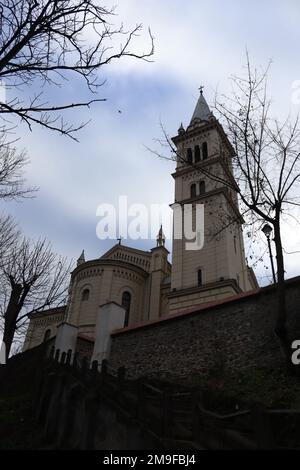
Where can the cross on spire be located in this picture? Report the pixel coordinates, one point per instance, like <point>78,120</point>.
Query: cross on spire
<point>201,89</point>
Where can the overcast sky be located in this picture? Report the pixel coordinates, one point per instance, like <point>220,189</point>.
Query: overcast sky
<point>196,43</point>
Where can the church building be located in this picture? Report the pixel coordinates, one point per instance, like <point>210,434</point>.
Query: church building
<point>143,285</point>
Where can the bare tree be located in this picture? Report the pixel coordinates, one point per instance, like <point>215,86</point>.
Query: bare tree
<point>34,278</point>
<point>266,164</point>
<point>46,42</point>
<point>12,164</point>
<point>262,168</point>
<point>8,235</point>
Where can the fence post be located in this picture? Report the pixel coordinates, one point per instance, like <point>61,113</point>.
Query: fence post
<point>56,357</point>
<point>75,362</point>
<point>63,358</point>
<point>51,353</point>
<point>68,357</point>
<point>84,367</point>
<point>94,370</point>
<point>104,367</point>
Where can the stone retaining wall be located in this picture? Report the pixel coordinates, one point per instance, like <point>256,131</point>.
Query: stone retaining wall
<point>231,335</point>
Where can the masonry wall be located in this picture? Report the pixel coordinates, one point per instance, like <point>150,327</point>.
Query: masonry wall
<point>232,335</point>
<point>39,325</point>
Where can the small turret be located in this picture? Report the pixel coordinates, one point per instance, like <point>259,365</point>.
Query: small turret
<point>181,129</point>
<point>81,259</point>
<point>158,272</point>
<point>160,239</point>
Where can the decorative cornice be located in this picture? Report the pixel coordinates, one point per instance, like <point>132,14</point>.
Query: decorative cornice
<point>51,311</point>
<point>212,160</point>
<point>48,319</point>
<point>200,130</point>
<point>206,287</point>
<point>101,263</point>
<point>130,276</point>
<point>215,158</point>
<point>223,190</point>
<point>192,132</point>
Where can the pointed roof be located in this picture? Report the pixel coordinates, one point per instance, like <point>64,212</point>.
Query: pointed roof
<point>123,248</point>
<point>81,259</point>
<point>202,110</point>
<point>181,129</point>
<point>160,239</point>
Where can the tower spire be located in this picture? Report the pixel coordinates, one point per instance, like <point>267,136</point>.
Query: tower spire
<point>202,111</point>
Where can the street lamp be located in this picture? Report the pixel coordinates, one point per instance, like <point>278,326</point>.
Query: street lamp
<point>267,230</point>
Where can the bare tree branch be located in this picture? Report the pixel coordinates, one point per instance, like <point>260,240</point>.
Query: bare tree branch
<point>44,43</point>
<point>12,163</point>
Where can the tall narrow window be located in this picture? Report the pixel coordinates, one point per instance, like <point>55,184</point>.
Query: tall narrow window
<point>193,190</point>
<point>47,335</point>
<point>234,242</point>
<point>202,187</point>
<point>204,151</point>
<point>85,294</point>
<point>189,156</point>
<point>199,277</point>
<point>126,301</point>
<point>197,153</point>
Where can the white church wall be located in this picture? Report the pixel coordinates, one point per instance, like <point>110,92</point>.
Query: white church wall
<point>107,285</point>
<point>66,338</point>
<point>110,317</point>
<point>213,257</point>
<point>84,311</point>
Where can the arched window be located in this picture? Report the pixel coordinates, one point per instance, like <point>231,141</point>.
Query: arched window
<point>47,335</point>
<point>126,301</point>
<point>197,153</point>
<point>202,187</point>
<point>189,156</point>
<point>204,151</point>
<point>193,190</point>
<point>199,277</point>
<point>85,294</point>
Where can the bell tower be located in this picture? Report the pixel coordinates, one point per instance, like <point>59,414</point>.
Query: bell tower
<point>204,176</point>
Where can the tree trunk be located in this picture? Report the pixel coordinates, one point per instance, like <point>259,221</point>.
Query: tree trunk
<point>280,327</point>
<point>11,316</point>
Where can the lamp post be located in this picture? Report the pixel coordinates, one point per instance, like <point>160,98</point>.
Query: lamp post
<point>267,230</point>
